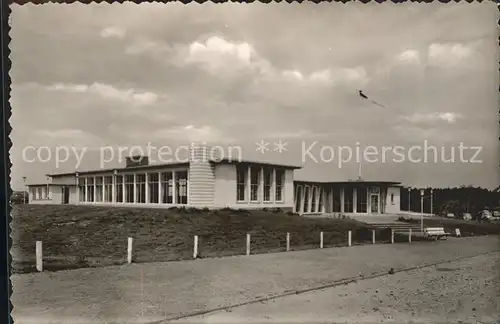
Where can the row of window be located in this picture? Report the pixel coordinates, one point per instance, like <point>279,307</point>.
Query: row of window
<point>261,181</point>
<point>39,193</point>
<point>313,194</point>
<point>132,189</point>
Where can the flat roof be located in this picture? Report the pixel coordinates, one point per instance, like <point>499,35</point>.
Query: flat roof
<point>174,164</point>
<point>353,182</point>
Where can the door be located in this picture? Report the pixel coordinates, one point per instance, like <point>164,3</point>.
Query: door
<point>374,204</point>
<point>65,193</point>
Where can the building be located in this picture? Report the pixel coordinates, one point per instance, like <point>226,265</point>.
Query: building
<point>212,183</point>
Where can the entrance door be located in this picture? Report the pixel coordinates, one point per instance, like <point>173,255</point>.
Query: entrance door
<point>65,194</point>
<point>374,204</point>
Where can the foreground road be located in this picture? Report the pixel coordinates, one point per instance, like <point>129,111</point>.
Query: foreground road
<point>144,293</point>
<point>464,291</point>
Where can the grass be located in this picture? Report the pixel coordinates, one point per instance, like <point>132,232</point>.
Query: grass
<point>90,236</point>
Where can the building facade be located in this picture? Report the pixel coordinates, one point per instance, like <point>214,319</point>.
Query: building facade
<point>206,183</point>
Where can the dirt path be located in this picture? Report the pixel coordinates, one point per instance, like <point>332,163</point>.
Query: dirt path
<point>464,291</point>
<point>141,293</point>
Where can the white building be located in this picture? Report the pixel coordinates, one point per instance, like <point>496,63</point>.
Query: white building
<point>204,183</point>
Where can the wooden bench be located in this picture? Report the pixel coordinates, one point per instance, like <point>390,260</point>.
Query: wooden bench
<point>435,233</point>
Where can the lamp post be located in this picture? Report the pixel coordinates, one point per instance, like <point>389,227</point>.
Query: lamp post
<point>422,210</point>
<point>24,187</point>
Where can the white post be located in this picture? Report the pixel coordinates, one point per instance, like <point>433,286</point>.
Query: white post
<point>39,256</point>
<point>349,237</point>
<point>409,236</point>
<point>422,210</point>
<point>373,236</point>
<point>129,250</point>
<point>174,187</point>
<point>248,244</point>
<point>195,248</point>
<point>392,236</point>
<point>287,242</point>
<point>320,240</point>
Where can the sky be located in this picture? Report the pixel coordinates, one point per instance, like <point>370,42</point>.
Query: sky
<point>86,78</point>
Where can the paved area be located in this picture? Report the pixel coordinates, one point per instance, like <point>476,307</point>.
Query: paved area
<point>465,291</point>
<point>142,293</point>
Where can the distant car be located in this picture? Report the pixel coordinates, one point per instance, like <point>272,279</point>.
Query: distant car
<point>485,215</point>
<point>467,216</point>
<point>450,215</point>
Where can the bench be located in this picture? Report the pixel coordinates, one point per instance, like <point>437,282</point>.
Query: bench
<point>435,233</point>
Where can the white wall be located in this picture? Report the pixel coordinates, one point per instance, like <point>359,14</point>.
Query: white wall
<point>394,206</point>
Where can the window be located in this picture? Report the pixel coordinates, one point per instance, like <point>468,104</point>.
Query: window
<point>98,189</point>
<point>166,188</point>
<point>348,200</point>
<point>181,187</point>
<point>129,188</point>
<point>313,199</point>
<point>241,182</point>
<point>362,200</point>
<point>33,193</point>
<point>81,189</point>
<point>108,189</point>
<point>140,185</point>
<point>90,189</point>
<point>320,201</point>
<point>46,192</point>
<point>268,173</point>
<point>336,200</point>
<point>119,189</point>
<point>298,199</point>
<point>153,180</point>
<point>254,184</point>
<point>392,199</point>
<point>280,179</point>
<point>306,199</point>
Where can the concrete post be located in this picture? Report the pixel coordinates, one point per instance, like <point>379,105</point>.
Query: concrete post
<point>248,244</point>
<point>409,236</point>
<point>287,242</point>
<point>195,248</point>
<point>392,236</point>
<point>39,256</point>
<point>129,250</point>
<point>349,238</point>
<point>321,240</point>
<point>373,236</point>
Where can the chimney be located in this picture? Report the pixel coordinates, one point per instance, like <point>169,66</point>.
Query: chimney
<point>136,160</point>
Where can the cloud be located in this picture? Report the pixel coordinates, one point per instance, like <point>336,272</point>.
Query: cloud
<point>113,32</point>
<point>448,54</point>
<point>424,118</point>
<point>409,56</point>
<point>108,92</point>
<point>355,76</point>
<point>192,133</point>
<point>144,46</point>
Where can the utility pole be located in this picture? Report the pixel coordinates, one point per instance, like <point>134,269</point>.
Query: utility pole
<point>24,187</point>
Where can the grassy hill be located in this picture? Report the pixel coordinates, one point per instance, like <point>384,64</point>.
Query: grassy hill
<point>88,236</point>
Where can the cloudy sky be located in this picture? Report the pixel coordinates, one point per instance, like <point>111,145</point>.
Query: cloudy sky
<point>90,76</point>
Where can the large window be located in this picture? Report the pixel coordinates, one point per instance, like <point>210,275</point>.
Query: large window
<point>81,189</point>
<point>108,189</point>
<point>166,188</point>
<point>320,199</point>
<point>254,184</point>
<point>336,200</point>
<point>298,198</point>
<point>362,200</point>
<point>348,200</point>
<point>313,199</point>
<point>268,175</point>
<point>241,182</point>
<point>280,179</point>
<point>129,188</point>
<point>119,189</point>
<point>153,187</point>
<point>98,189</point>
<point>306,199</point>
<point>33,193</point>
<point>140,184</point>
<point>90,189</point>
<point>181,187</point>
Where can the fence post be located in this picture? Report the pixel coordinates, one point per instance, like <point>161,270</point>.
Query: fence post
<point>287,241</point>
<point>409,236</point>
<point>248,244</point>
<point>392,236</point>
<point>373,236</point>
<point>129,250</point>
<point>195,247</point>
<point>321,240</point>
<point>39,256</point>
<point>349,238</point>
